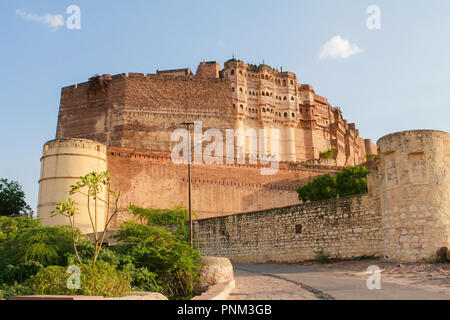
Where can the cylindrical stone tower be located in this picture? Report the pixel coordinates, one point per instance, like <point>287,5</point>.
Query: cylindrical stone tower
<point>414,180</point>
<point>63,162</point>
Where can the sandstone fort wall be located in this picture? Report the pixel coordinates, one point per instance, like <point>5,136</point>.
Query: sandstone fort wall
<point>151,179</point>
<point>345,228</point>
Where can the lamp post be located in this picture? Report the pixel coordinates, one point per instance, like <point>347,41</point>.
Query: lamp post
<point>188,125</point>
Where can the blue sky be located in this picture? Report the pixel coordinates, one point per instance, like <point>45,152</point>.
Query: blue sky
<point>397,79</point>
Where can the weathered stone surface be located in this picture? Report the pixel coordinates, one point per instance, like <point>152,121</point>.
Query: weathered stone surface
<point>414,183</point>
<point>215,270</point>
<point>274,236</point>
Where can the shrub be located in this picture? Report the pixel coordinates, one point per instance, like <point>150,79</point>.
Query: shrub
<point>323,257</point>
<point>29,249</point>
<point>327,155</point>
<point>349,182</point>
<point>19,272</point>
<point>173,219</point>
<point>159,251</point>
<point>352,181</point>
<point>100,280</point>
<point>321,188</point>
<point>11,226</point>
<point>364,257</point>
<point>144,280</point>
<point>14,290</point>
<point>50,281</point>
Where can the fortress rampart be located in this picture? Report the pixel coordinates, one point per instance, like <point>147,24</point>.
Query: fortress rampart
<point>63,162</point>
<point>405,216</point>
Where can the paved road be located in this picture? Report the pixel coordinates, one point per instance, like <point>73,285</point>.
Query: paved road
<point>254,286</point>
<point>324,284</point>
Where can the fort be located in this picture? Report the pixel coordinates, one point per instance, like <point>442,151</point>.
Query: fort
<point>124,123</point>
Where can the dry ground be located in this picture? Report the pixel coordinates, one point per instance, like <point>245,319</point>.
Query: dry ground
<point>420,274</point>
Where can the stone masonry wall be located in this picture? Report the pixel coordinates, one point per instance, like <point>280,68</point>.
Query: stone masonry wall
<point>345,227</point>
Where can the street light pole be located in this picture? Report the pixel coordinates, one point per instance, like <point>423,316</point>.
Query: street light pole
<point>188,124</point>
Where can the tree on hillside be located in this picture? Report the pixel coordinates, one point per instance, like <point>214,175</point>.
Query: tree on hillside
<point>12,199</point>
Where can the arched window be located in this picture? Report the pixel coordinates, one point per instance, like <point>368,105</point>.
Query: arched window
<point>285,114</point>
<point>232,72</point>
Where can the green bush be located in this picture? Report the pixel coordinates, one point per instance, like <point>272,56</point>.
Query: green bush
<point>352,181</point>
<point>14,290</point>
<point>30,246</point>
<point>144,280</point>
<point>19,272</point>
<point>46,245</point>
<point>323,257</point>
<point>321,188</point>
<point>158,250</point>
<point>349,182</point>
<point>173,219</point>
<point>50,281</point>
<point>328,155</point>
<point>100,280</point>
<point>86,249</point>
<point>10,227</point>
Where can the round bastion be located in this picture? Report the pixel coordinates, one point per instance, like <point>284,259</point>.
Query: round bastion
<point>414,182</point>
<point>63,162</point>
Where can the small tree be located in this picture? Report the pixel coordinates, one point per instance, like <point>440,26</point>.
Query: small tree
<point>91,186</point>
<point>352,181</point>
<point>12,199</point>
<point>349,182</point>
<point>321,188</point>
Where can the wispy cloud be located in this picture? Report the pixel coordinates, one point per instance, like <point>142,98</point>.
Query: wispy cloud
<point>339,48</point>
<point>53,21</point>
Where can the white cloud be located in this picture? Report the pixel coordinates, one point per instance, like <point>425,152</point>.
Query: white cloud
<point>339,48</point>
<point>53,21</point>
